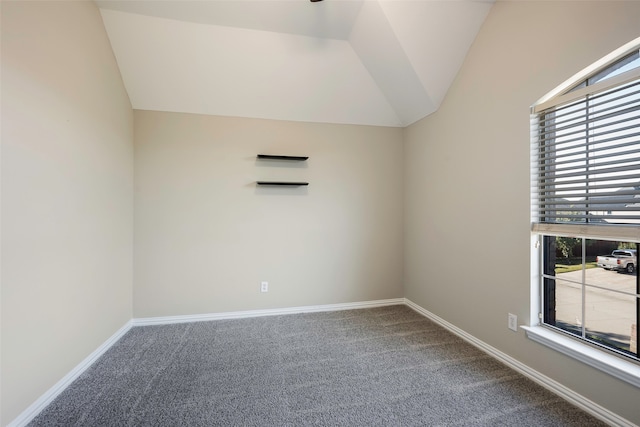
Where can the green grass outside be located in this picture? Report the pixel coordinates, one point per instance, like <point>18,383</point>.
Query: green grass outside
<point>573,264</point>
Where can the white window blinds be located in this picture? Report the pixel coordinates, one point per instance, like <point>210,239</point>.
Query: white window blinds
<point>586,155</point>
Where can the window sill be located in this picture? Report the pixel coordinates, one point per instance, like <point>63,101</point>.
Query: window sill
<point>610,364</point>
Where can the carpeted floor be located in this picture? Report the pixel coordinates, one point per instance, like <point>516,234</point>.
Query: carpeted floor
<point>385,366</point>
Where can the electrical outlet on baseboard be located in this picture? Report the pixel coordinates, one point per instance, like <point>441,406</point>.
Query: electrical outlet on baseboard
<point>513,322</point>
<point>264,286</point>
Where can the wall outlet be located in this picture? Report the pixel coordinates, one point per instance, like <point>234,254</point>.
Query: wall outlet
<point>513,322</point>
<point>264,286</point>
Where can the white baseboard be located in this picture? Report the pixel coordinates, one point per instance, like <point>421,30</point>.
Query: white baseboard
<point>269,312</point>
<point>546,382</point>
<point>34,409</point>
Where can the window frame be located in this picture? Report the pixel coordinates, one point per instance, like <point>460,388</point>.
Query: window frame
<point>617,365</point>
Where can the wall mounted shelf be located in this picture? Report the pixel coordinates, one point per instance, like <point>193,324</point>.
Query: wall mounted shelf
<point>278,157</point>
<point>282,183</point>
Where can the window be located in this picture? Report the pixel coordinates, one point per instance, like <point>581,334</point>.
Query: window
<point>586,204</point>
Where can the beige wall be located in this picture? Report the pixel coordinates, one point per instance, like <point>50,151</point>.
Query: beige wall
<point>467,186</point>
<point>206,236</point>
<point>67,189</point>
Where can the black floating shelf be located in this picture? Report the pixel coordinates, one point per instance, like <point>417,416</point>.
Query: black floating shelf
<point>277,157</point>
<point>282,183</point>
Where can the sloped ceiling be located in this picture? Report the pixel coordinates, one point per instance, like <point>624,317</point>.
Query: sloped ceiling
<point>371,62</point>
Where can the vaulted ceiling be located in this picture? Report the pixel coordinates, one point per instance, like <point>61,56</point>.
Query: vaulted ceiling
<point>370,62</point>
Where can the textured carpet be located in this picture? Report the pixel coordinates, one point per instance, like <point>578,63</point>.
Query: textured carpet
<point>371,367</point>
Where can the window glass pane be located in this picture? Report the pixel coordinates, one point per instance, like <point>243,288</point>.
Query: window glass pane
<point>609,318</point>
<point>569,306</point>
<point>620,281</point>
<point>625,64</point>
<point>578,86</point>
<point>615,265</point>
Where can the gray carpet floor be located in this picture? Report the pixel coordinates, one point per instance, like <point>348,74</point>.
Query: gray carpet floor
<point>386,366</point>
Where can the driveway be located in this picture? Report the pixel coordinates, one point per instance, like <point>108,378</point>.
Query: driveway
<point>608,313</point>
